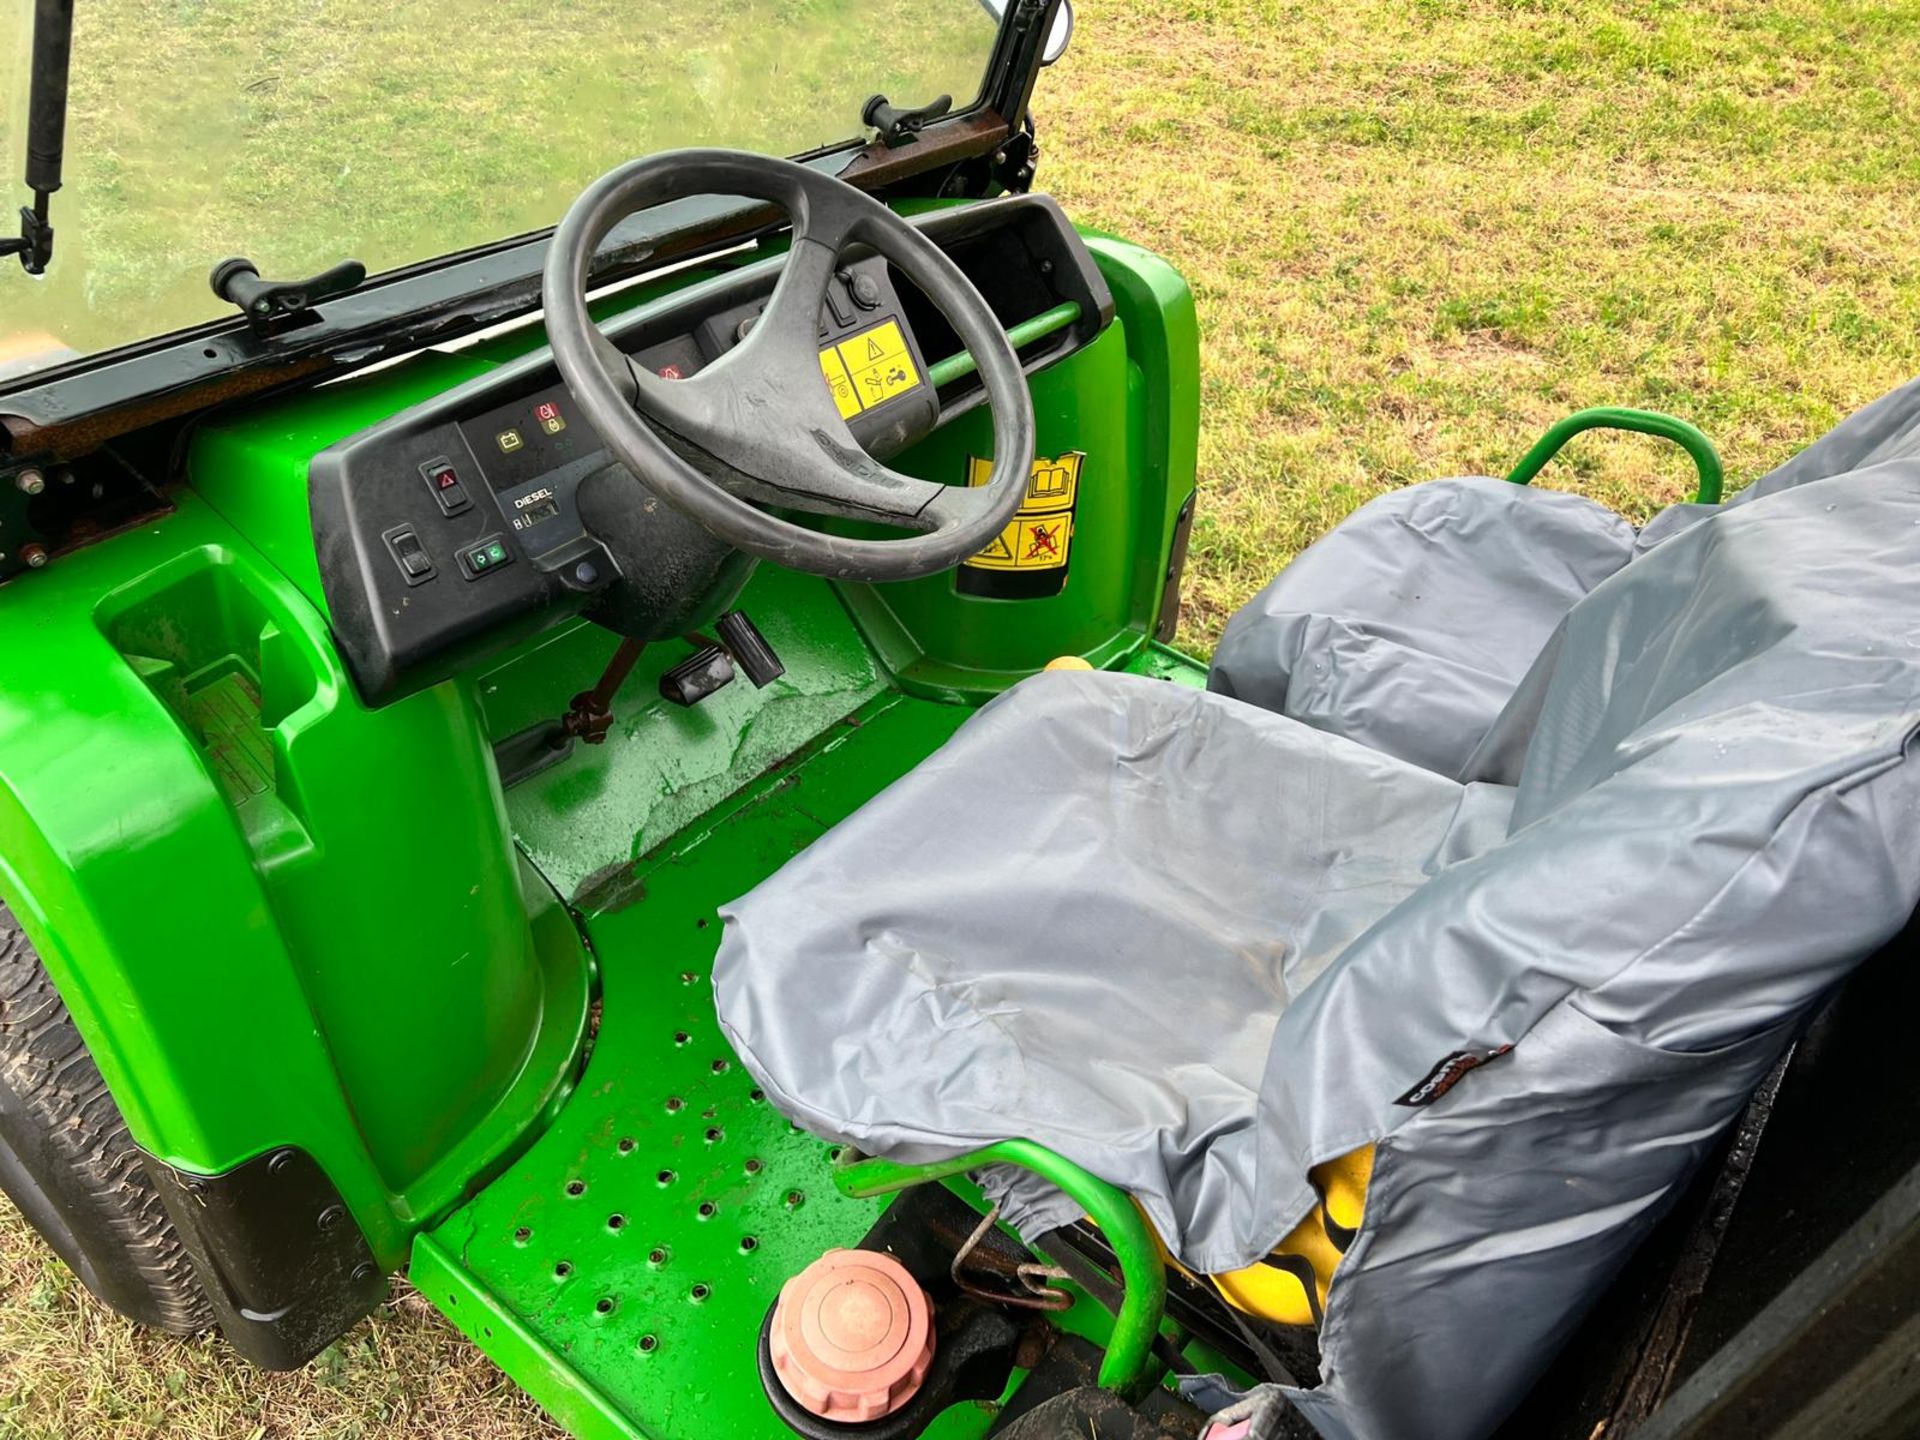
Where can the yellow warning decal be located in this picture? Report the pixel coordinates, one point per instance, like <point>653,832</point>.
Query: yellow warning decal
<point>1037,537</point>
<point>869,369</point>
<point>1052,485</point>
<point>840,383</point>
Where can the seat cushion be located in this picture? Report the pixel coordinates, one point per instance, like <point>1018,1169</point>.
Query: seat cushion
<point>1078,922</point>
<point>1408,625</point>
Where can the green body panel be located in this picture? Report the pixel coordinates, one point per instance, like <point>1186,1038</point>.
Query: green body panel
<point>658,1049</point>
<point>281,918</point>
<point>245,884</point>
<point>253,468</point>
<point>1130,402</point>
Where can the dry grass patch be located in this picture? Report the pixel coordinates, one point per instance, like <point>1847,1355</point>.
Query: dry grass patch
<point>73,1370</point>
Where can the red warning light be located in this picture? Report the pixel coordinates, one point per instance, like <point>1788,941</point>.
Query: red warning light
<point>671,372</point>
<point>546,411</point>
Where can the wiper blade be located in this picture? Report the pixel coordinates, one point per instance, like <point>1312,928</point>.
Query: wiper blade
<point>46,131</point>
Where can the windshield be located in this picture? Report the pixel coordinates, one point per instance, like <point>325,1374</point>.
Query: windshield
<point>302,132</point>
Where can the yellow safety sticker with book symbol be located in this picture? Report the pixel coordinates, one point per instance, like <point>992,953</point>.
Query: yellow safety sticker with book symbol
<point>1038,536</point>
<point>869,369</point>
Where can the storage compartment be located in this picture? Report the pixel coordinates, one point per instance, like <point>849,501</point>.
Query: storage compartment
<point>207,645</point>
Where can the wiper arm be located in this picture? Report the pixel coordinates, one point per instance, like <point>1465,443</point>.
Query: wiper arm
<point>46,130</point>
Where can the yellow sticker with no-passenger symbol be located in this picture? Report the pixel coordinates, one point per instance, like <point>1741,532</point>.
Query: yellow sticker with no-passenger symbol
<point>1038,536</point>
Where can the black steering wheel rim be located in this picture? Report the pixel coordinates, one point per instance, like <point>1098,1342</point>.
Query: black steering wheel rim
<point>761,414</point>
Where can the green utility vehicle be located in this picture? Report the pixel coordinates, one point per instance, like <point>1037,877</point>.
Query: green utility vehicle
<point>402,668</point>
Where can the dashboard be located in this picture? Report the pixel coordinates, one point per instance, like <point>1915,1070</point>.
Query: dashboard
<point>462,525</point>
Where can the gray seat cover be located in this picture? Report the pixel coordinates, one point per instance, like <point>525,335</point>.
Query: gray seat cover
<point>1408,625</point>
<point>1199,948</point>
<point>1888,429</point>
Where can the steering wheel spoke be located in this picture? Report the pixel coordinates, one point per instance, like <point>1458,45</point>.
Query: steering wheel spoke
<point>758,426</point>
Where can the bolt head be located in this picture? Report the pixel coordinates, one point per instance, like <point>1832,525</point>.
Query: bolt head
<point>31,482</point>
<point>34,555</point>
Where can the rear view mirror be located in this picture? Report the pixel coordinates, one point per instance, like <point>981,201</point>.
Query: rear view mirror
<point>1057,38</point>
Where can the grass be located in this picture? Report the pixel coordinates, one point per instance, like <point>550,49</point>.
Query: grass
<point>1419,231</point>
<point>300,132</point>
<point>72,1370</point>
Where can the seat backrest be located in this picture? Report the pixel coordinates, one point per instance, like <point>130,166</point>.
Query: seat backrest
<point>1725,698</point>
<point>1714,822</point>
<point>1888,429</point>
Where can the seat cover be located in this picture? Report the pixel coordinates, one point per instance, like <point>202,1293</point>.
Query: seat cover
<point>1198,948</point>
<point>1069,872</point>
<point>1407,626</point>
<point>1888,429</point>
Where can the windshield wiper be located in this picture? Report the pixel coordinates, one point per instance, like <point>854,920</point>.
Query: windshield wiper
<point>46,130</point>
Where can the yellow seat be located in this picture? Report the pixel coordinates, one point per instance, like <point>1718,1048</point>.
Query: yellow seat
<point>1290,1286</point>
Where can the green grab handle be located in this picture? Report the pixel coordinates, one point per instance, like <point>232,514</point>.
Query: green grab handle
<point>1644,422</point>
<point>954,367</point>
<point>1144,1296</point>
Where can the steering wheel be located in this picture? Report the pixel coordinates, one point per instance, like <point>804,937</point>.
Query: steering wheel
<point>759,424</point>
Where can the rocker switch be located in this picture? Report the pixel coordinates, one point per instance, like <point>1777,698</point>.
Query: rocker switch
<point>842,313</point>
<point>416,566</point>
<point>444,482</point>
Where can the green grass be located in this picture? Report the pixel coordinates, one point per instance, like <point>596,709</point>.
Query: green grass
<point>1419,232</point>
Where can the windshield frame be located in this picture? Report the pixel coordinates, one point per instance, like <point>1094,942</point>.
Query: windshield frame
<point>448,296</point>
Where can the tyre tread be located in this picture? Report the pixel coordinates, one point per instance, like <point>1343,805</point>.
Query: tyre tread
<point>44,1060</point>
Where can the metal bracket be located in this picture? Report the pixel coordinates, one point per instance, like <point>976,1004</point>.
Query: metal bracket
<point>900,125</point>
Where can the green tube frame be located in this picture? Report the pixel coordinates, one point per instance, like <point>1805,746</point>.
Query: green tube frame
<point>954,367</point>
<point>1643,422</point>
<point>1124,1368</point>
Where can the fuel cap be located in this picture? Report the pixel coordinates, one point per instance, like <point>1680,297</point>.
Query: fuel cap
<point>852,1336</point>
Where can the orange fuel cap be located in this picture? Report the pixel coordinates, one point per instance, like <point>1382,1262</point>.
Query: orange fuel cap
<point>852,1336</point>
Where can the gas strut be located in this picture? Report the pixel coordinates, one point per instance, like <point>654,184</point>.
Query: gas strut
<point>46,131</point>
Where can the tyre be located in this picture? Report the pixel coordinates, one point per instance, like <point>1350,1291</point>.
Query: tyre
<point>67,1160</point>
